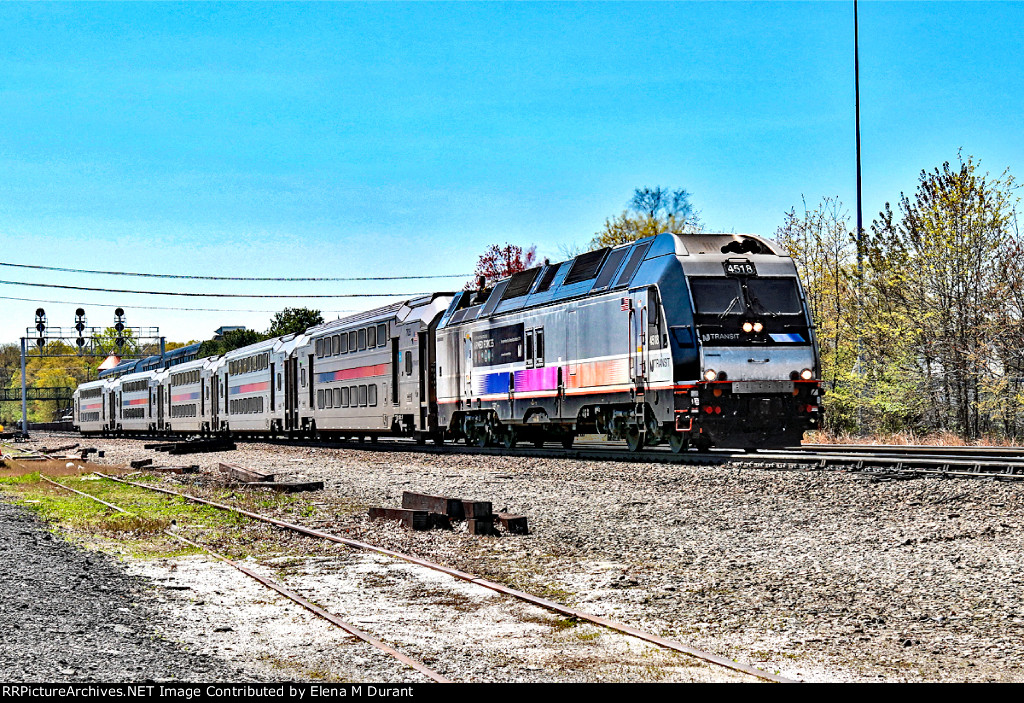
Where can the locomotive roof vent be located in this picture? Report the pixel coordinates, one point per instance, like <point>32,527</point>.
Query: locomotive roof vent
<point>725,244</point>
<point>746,245</point>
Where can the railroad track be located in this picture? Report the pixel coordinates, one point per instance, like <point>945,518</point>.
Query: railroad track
<point>663,642</point>
<point>872,461</point>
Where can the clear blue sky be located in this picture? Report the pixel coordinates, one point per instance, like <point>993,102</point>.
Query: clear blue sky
<point>394,139</point>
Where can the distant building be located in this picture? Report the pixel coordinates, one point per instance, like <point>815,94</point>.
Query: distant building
<point>221,331</point>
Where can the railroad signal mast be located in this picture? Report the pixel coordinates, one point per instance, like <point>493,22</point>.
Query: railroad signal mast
<point>86,342</point>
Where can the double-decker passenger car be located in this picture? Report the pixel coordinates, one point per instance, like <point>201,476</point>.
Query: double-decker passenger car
<point>370,374</point>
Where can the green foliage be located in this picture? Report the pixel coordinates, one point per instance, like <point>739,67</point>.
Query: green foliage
<point>651,211</point>
<point>926,336</point>
<point>293,320</point>
<point>232,339</point>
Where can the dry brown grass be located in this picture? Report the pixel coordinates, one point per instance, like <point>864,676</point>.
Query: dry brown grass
<point>932,439</point>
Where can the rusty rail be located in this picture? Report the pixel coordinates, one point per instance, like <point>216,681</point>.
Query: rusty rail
<point>291,595</point>
<point>664,642</point>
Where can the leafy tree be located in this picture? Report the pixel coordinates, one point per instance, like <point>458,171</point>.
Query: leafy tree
<point>501,262</point>
<point>650,211</point>
<point>293,320</point>
<point>946,247</point>
<point>232,339</point>
<point>927,337</point>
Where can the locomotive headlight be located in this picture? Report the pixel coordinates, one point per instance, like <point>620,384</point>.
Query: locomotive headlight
<point>807,374</point>
<point>748,327</point>
<point>710,375</point>
<point>758,327</point>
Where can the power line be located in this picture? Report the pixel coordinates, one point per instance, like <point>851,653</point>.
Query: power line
<point>151,307</point>
<point>212,295</point>
<point>231,278</point>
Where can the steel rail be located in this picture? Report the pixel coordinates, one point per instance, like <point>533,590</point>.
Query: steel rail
<point>291,595</point>
<point>918,449</point>
<point>486,583</point>
<point>956,465</point>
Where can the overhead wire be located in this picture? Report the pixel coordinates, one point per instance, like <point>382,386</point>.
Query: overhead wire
<point>235,278</point>
<point>152,307</point>
<point>212,295</point>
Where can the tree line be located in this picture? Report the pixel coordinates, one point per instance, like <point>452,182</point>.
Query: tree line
<point>69,370</point>
<point>921,320</point>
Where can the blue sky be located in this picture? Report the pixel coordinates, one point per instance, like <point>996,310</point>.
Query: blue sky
<point>391,139</point>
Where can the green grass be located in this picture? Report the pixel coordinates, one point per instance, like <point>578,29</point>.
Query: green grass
<point>142,532</point>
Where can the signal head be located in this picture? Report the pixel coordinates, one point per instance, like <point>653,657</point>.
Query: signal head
<point>80,312</point>
<point>40,312</point>
<point>119,312</point>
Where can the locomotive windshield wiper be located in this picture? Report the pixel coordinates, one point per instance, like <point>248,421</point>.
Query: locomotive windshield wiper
<point>752,301</point>
<point>729,309</point>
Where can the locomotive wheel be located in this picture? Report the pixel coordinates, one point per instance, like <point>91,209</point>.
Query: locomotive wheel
<point>538,443</point>
<point>678,442</point>
<point>439,439</point>
<point>567,441</point>
<point>480,437</point>
<point>509,438</point>
<point>703,444</point>
<point>633,439</point>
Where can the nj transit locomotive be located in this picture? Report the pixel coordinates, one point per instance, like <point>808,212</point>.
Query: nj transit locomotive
<point>694,340</point>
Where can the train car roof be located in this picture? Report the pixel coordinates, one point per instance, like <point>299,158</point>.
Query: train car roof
<point>401,311</point>
<point>603,270</point>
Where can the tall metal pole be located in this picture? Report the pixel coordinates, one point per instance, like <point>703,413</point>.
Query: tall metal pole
<point>24,393</point>
<point>860,212</point>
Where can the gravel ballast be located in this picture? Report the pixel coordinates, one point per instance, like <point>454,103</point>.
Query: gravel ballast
<point>816,575</point>
<point>70,615</point>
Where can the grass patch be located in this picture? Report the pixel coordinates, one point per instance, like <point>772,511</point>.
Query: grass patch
<point>141,532</point>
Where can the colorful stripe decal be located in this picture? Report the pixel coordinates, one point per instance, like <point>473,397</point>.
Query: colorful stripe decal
<point>249,388</point>
<point>94,406</point>
<point>349,374</point>
<point>794,337</point>
<point>185,396</point>
<point>137,401</point>
<point>607,372</point>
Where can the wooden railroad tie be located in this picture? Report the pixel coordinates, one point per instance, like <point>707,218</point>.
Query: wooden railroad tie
<point>248,478</point>
<point>421,511</point>
<point>193,469</point>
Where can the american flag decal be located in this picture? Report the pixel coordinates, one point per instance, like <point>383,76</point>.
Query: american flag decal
<point>626,304</point>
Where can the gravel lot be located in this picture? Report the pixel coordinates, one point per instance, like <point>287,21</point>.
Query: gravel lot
<point>69,615</point>
<point>817,575</point>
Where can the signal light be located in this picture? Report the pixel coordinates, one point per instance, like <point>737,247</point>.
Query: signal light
<point>119,326</point>
<point>80,326</point>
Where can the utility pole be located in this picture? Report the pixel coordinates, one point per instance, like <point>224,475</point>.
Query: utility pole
<point>860,210</point>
